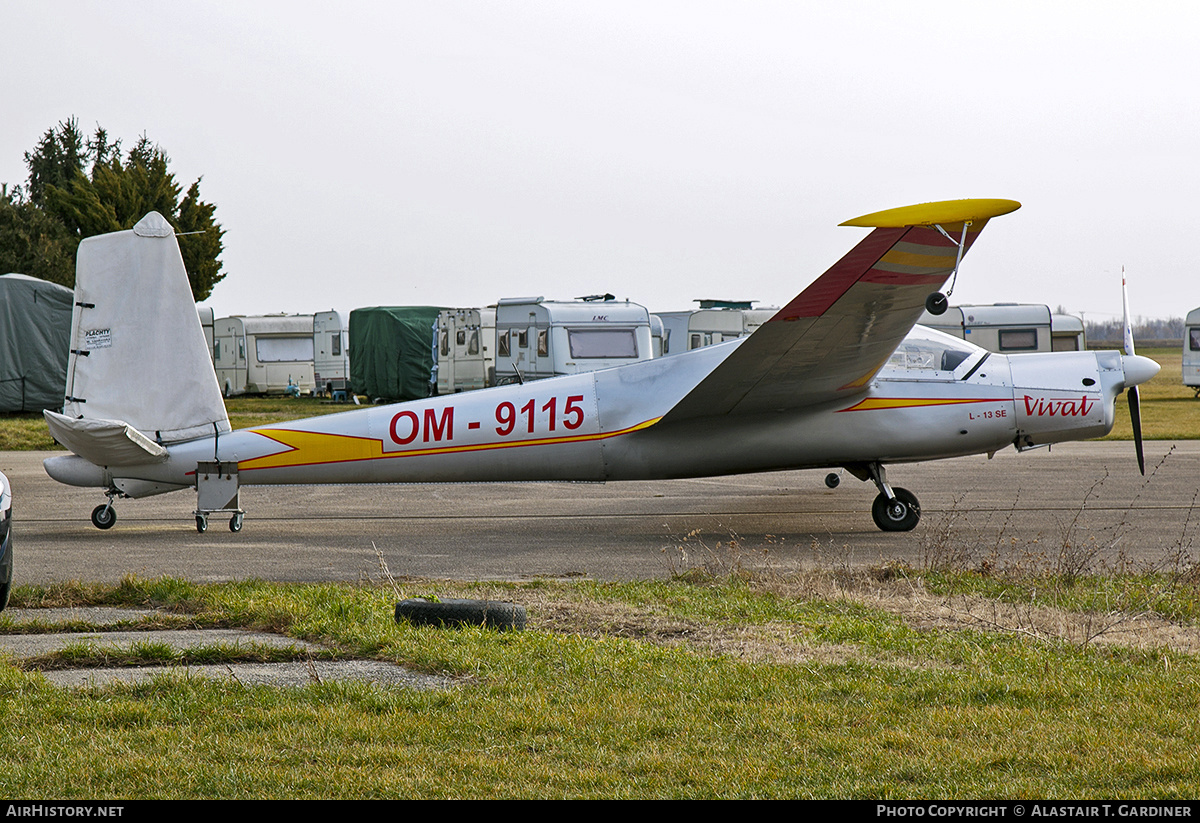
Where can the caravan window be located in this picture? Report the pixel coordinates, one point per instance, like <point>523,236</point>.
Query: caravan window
<point>216,350</point>
<point>502,345</point>
<point>445,343</point>
<point>1018,340</point>
<point>523,338</point>
<point>543,342</point>
<point>473,344</point>
<point>283,349</point>
<point>1194,339</point>
<point>335,344</point>
<point>600,343</point>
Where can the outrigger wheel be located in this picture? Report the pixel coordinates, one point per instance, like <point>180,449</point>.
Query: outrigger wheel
<point>900,514</point>
<point>936,303</point>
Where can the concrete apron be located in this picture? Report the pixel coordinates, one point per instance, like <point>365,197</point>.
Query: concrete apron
<point>101,635</point>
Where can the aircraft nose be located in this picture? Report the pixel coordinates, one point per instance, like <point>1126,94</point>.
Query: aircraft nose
<point>1138,369</point>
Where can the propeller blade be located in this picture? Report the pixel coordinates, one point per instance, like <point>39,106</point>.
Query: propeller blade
<point>1135,417</point>
<point>1125,312</point>
<point>1135,400</point>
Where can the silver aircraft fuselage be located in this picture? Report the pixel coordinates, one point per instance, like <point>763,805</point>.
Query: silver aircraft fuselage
<point>606,425</point>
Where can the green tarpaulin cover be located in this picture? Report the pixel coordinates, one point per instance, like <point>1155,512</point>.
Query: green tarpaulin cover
<point>391,351</point>
<point>35,336</point>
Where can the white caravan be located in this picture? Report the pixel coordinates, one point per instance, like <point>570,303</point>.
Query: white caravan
<point>331,352</point>
<point>674,337</point>
<point>207,319</point>
<point>714,322</point>
<point>264,354</point>
<point>465,352</point>
<point>1191,351</point>
<point>1066,333</point>
<point>538,338</point>
<point>658,336</point>
<point>999,327</point>
<point>717,321</point>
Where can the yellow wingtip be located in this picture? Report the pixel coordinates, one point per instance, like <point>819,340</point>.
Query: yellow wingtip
<point>941,212</point>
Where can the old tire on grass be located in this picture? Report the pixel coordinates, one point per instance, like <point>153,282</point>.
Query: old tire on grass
<point>457,612</point>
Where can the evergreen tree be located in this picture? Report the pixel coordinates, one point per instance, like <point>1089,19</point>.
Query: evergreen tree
<point>33,243</point>
<point>78,188</point>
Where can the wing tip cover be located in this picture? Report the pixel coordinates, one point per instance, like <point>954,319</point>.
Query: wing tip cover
<point>939,212</point>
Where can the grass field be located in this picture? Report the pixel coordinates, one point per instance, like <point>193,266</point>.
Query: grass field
<point>886,684</point>
<point>27,432</point>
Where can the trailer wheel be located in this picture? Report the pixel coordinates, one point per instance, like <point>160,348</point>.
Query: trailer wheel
<point>456,612</point>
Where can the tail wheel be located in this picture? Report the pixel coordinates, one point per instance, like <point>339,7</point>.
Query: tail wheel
<point>899,515</point>
<point>103,516</point>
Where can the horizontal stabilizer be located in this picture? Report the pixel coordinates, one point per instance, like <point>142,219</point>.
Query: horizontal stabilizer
<point>104,442</point>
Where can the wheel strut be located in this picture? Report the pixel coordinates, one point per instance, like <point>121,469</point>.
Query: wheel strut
<point>879,478</point>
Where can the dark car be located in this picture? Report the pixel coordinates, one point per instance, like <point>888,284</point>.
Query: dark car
<point>6,563</point>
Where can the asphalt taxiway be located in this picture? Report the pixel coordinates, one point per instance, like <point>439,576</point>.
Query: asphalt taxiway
<point>1015,507</point>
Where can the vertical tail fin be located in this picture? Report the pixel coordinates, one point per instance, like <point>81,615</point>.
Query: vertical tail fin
<point>138,352</point>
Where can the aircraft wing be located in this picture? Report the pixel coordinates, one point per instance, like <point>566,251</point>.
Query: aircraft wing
<point>836,334</point>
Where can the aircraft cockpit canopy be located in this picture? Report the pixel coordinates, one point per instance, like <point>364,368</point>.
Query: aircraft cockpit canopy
<point>926,353</point>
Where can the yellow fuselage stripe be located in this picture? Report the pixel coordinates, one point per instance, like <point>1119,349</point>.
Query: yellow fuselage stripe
<point>875,403</point>
<point>320,448</point>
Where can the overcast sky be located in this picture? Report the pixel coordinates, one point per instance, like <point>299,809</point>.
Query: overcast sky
<point>455,152</point>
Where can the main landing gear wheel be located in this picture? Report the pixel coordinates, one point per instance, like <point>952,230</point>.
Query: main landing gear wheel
<point>103,516</point>
<point>833,480</point>
<point>899,515</point>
